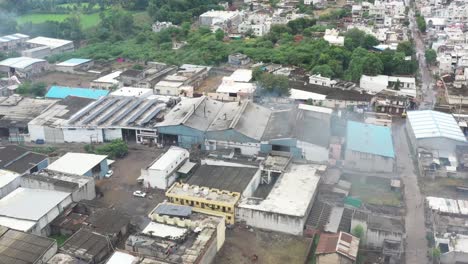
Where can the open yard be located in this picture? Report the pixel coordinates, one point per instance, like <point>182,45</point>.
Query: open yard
<point>270,248</point>
<point>87,20</point>
<point>443,187</point>
<point>373,190</point>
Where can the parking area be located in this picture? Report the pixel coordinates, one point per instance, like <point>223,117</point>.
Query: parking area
<point>118,190</point>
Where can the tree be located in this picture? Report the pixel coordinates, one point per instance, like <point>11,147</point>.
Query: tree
<point>8,24</point>
<point>357,38</point>
<point>32,89</point>
<point>406,47</point>
<point>274,84</point>
<point>324,70</point>
<point>421,22</point>
<point>219,34</point>
<point>115,149</point>
<point>372,65</point>
<point>358,231</point>
<point>397,85</point>
<point>431,56</point>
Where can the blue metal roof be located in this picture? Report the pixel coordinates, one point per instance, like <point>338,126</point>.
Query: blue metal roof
<point>62,92</point>
<point>73,62</point>
<point>369,138</point>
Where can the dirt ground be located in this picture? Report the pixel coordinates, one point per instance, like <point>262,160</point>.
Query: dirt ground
<point>210,84</point>
<point>66,79</point>
<point>373,190</point>
<point>119,188</point>
<point>271,248</point>
<point>443,187</point>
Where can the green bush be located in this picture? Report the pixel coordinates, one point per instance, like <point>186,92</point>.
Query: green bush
<point>115,149</point>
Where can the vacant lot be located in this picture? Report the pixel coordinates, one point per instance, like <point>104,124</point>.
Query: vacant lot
<point>271,248</point>
<point>373,190</point>
<point>87,20</point>
<point>66,79</point>
<point>444,187</point>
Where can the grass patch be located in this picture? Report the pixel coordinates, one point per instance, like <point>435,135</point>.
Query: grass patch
<point>60,239</point>
<point>45,150</point>
<point>373,190</point>
<point>87,20</point>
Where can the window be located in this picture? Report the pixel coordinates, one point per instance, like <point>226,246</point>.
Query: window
<point>177,199</point>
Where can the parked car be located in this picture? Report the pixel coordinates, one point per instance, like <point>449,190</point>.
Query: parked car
<point>139,194</point>
<point>109,174</point>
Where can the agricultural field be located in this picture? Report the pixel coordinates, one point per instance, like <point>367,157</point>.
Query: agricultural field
<point>87,20</point>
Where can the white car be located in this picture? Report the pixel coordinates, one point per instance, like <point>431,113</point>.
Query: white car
<point>109,174</point>
<point>139,194</point>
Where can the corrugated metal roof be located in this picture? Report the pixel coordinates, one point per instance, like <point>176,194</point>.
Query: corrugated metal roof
<point>19,62</point>
<point>174,210</point>
<point>369,138</point>
<point>431,124</point>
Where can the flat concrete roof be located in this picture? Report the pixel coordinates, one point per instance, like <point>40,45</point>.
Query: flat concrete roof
<point>30,204</point>
<point>76,163</point>
<point>234,179</point>
<point>6,177</point>
<point>201,192</point>
<point>291,194</point>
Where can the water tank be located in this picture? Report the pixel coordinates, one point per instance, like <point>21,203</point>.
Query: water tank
<point>196,190</point>
<point>205,191</point>
<point>185,187</point>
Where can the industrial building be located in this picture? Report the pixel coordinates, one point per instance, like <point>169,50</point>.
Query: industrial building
<point>74,65</point>
<point>205,200</point>
<point>107,81</point>
<point>17,112</point>
<point>24,248</point>
<point>369,148</point>
<point>25,67</point>
<point>80,187</point>
<point>48,125</point>
<point>21,160</point>
<point>183,82</point>
<point>9,181</point>
<point>62,92</point>
<point>286,207</point>
<point>162,173</point>
<point>56,46</point>
<point>196,237</point>
<point>87,246</point>
<point>433,130</point>
<point>81,164</point>
<point>13,42</point>
<point>20,210</point>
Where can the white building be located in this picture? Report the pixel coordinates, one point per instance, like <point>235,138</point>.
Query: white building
<point>158,26</point>
<point>216,19</point>
<point>24,66</point>
<point>81,164</point>
<point>237,85</point>
<point>9,181</point>
<point>133,92</point>
<point>162,173</point>
<point>332,37</point>
<point>73,65</point>
<point>287,206</point>
<point>434,130</point>
<point>453,248</point>
<point>31,210</point>
<point>56,46</point>
<point>375,84</point>
<point>107,81</point>
<point>321,80</point>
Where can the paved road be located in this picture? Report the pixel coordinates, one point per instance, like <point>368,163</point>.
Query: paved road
<point>427,82</point>
<point>416,244</point>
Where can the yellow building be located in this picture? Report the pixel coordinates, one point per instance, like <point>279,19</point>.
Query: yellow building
<point>205,200</point>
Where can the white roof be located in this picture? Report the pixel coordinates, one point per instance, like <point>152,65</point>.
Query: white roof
<point>121,258</point>
<point>30,204</point>
<point>459,244</point>
<point>443,205</point>
<point>109,78</point>
<point>241,75</point>
<point>291,194</point>
<point>132,91</point>
<point>169,158</point>
<point>6,177</point>
<point>303,95</point>
<point>402,79</point>
<point>230,86</point>
<point>76,163</point>
<point>20,62</point>
<point>168,84</point>
<point>73,62</point>
<point>314,108</point>
<point>164,231</point>
<point>17,224</point>
<point>49,42</point>
<point>432,124</point>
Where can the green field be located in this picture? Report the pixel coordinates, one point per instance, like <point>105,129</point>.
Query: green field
<point>88,20</point>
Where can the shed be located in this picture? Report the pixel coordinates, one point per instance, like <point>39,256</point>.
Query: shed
<point>82,164</point>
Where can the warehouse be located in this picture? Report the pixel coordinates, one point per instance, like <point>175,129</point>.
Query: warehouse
<point>81,188</point>
<point>107,81</point>
<point>369,148</point>
<point>287,206</point>
<point>56,46</point>
<point>62,92</point>
<point>25,67</point>
<point>47,126</point>
<point>17,212</point>
<point>74,65</point>
<point>17,112</point>
<point>23,248</point>
<point>115,117</point>
<point>9,181</point>
<point>20,160</point>
<point>81,164</point>
<point>433,130</point>
<point>13,42</point>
